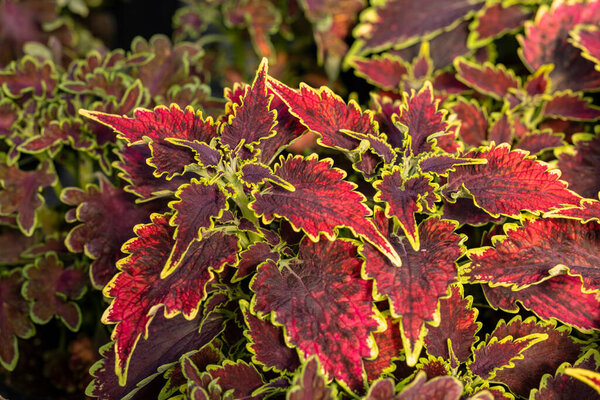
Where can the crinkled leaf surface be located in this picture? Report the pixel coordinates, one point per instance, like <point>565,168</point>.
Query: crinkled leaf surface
<point>404,198</point>
<point>546,41</point>
<point>139,292</point>
<point>108,215</point>
<point>414,289</point>
<point>581,167</point>
<point>400,23</point>
<point>536,251</point>
<point>309,383</point>
<point>453,338</point>
<point>509,182</point>
<point>158,125</point>
<point>321,202</point>
<point>199,204</point>
<point>267,343</point>
<point>14,318</point>
<point>51,289</point>
<point>324,305</point>
<point>560,297</point>
<point>20,193</point>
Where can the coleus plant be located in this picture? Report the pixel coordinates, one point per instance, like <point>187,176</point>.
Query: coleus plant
<point>267,274</point>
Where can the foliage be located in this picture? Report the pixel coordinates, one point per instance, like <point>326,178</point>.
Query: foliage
<point>437,238</point>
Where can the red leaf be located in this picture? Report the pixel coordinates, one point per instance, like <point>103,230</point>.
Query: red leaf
<point>587,38</point>
<point>546,42</point>
<point>243,378</point>
<point>538,83</point>
<point>252,257</point>
<point>310,384</point>
<point>199,205</point>
<point>56,134</point>
<point>400,23</point>
<point>262,19</point>
<point>494,21</point>
<point>322,202</point>
<point>473,121</point>
<point>581,168</point>
<point>543,357</point>
<point>29,75</point>
<point>509,182</point>
<point>252,120</point>
<point>579,381</point>
<point>20,193</point>
<point>386,72</point>
<point>267,343</point>
<point>325,113</point>
<point>442,164</point>
<point>502,130</point>
<point>405,197</point>
<point>139,293</point>
<point>572,106</point>
<point>51,289</point>
<point>14,318</point>
<point>537,251</point>
<point>589,211</point>
<point>464,211</point>
<point>443,387</point>
<point>493,80</point>
<point>415,299</point>
<point>537,142</point>
<point>158,125</point>
<point>254,174</point>
<point>9,114</point>
<point>108,216</point>
<point>453,338</point>
<point>421,116</point>
<point>324,306</point>
<point>389,349</point>
<point>560,297</point>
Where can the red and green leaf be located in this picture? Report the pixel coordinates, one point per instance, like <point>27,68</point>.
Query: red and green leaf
<point>454,337</point>
<point>576,381</point>
<point>20,193</point>
<point>324,305</point>
<point>139,292</point>
<point>494,21</point>
<point>386,72</point>
<point>441,387</point>
<point>55,135</point>
<point>389,349</point>
<point>252,257</point>
<point>537,251</point>
<point>238,376</point>
<point>29,76</point>
<point>14,318</point>
<point>414,289</point>
<point>509,182</point>
<point>254,174</point>
<point>572,106</point>
<point>587,38</point>
<point>442,164</point>
<point>405,197</point>
<point>199,204</point>
<point>50,288</point>
<point>309,383</point>
<point>321,202</point>
<point>493,80</point>
<point>473,121</point>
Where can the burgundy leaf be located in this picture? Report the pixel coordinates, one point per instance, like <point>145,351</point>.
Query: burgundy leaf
<point>442,164</point>
<point>139,293</point>
<point>9,114</point>
<point>29,75</point>
<point>589,211</point>
<point>581,168</point>
<point>321,202</point>
<point>324,306</point>
<point>206,155</point>
<point>587,38</point>
<point>473,121</point>
<point>309,383</point>
<point>501,131</point>
<point>252,257</point>
<point>577,381</point>
<point>443,387</point>
<point>496,20</point>
<point>453,338</point>
<point>414,289</point>
<point>20,193</point>
<point>108,216</point>
<point>389,349</point>
<point>254,174</point>
<point>509,182</point>
<point>55,134</point>
<point>568,105</point>
<point>199,204</point>
<point>243,378</point>
<point>386,72</point>
<point>537,251</point>
<point>51,289</point>
<point>539,141</point>
<point>491,79</point>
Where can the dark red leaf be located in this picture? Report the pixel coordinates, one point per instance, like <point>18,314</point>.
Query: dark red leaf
<point>9,114</point>
<point>139,293</point>
<point>560,297</point>
<point>310,384</point>
<point>14,243</point>
<point>589,211</point>
<point>382,390</point>
<point>14,318</point>
<point>252,257</point>
<point>414,289</point>
<point>400,23</point>
<point>546,41</point>
<point>51,289</point>
<point>442,164</point>
<point>442,387</point>
<point>544,357</point>
<point>254,174</point>
<point>324,305</point>
<point>325,113</point>
<point>509,182</point>
<point>538,83</point>
<point>56,134</point>
<point>108,216</point>
<point>473,121</point>
<point>581,168</point>
<point>199,204</point>
<point>501,131</point>
<point>29,75</point>
<point>386,72</point>
<point>578,381</point>
<point>243,378</point>
<point>453,338</point>
<point>158,125</point>
<point>206,155</point>
<point>587,38</point>
<point>253,120</point>
<point>321,202</point>
<point>464,211</point>
<point>494,21</point>
<point>389,349</point>
<point>20,192</point>
<point>539,141</point>
<point>405,197</point>
<point>493,80</point>
<point>573,106</point>
<point>377,144</point>
<point>537,251</point>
